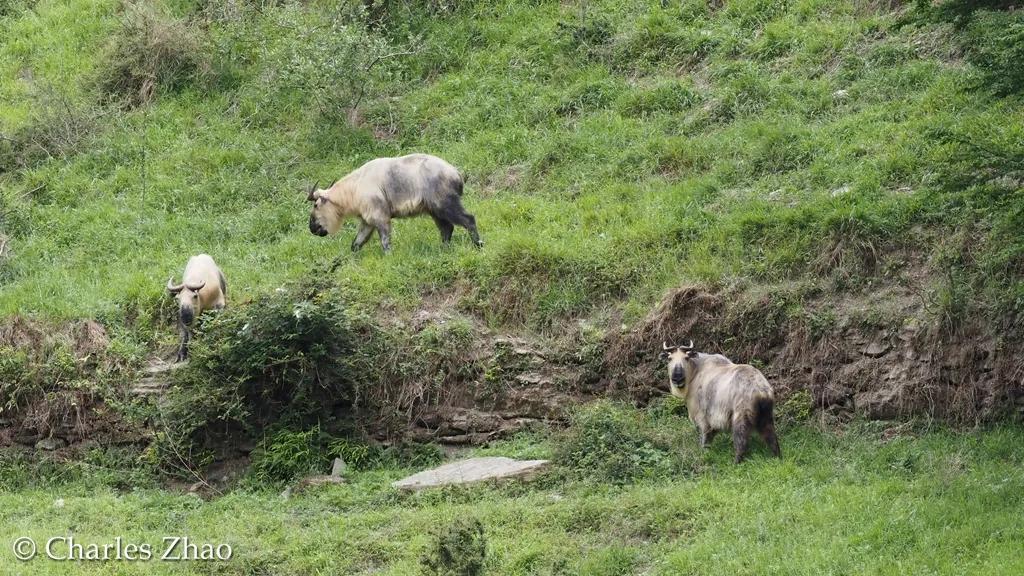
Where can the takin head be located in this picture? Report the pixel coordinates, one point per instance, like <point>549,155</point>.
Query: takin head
<point>324,219</point>
<point>678,363</point>
<point>187,296</point>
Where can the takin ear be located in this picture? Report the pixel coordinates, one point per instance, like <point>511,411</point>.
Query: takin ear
<point>691,354</point>
<point>663,355</point>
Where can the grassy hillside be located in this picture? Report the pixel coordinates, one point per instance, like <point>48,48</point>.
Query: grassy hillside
<point>789,157</point>
<point>613,150</point>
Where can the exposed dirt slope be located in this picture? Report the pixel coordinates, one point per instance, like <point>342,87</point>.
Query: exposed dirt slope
<point>881,355</point>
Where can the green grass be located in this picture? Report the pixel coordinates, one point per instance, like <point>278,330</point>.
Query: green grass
<point>843,502</point>
<point>610,156</point>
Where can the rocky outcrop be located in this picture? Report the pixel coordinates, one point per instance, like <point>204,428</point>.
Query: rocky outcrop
<point>517,385</point>
<point>880,355</point>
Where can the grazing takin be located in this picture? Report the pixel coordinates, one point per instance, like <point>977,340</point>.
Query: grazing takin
<point>721,395</point>
<point>388,188</point>
<point>202,288</point>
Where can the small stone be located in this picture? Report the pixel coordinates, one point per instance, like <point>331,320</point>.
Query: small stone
<point>58,503</point>
<point>842,190</point>
<point>51,444</point>
<point>876,349</point>
<point>338,468</point>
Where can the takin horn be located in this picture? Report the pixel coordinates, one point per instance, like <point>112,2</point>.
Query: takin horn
<point>311,190</point>
<point>172,287</point>
<point>687,347</point>
<point>666,347</point>
<point>196,287</point>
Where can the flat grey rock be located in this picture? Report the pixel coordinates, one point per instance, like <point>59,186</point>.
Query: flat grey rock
<point>472,470</point>
<point>51,444</point>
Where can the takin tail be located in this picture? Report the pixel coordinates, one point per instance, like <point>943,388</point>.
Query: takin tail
<point>764,423</point>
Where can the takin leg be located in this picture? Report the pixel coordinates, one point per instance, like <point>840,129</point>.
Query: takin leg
<point>740,437</point>
<point>767,431</point>
<point>706,436</point>
<point>446,229</point>
<point>362,235</point>
<point>186,335</point>
<point>765,424</point>
<point>456,214</point>
<point>384,231</point>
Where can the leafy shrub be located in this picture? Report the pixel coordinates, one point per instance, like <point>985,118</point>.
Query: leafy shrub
<point>285,357</point>
<point>395,16</point>
<point>458,549</point>
<point>57,128</point>
<point>45,388</point>
<point>15,377</point>
<point>612,442</point>
<point>796,409</point>
<point>152,52</point>
<point>361,456</point>
<point>287,455</point>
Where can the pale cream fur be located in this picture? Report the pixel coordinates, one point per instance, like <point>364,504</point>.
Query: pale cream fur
<point>717,392</point>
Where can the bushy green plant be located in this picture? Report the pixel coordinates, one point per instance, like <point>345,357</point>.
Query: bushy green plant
<point>153,52</point>
<point>611,442</point>
<point>796,409</point>
<point>114,467</point>
<point>57,127</point>
<point>457,549</point>
<point>284,357</point>
<point>15,377</point>
<point>362,456</point>
<point>285,455</point>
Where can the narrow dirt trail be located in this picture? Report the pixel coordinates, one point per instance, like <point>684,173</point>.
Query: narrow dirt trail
<point>156,377</point>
